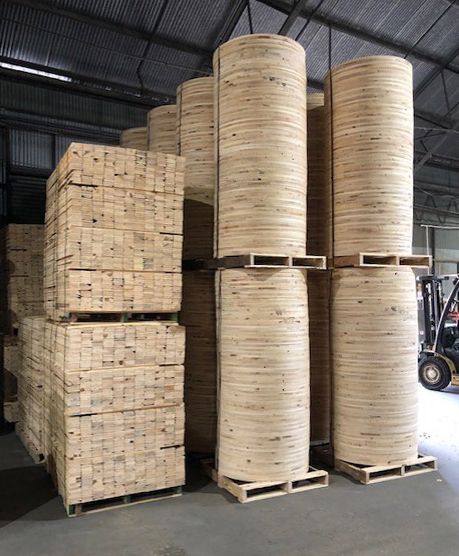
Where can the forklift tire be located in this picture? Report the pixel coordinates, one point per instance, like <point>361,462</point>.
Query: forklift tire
<point>434,373</point>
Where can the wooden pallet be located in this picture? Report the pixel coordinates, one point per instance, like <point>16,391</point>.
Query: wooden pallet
<point>111,316</point>
<point>257,260</point>
<point>371,474</point>
<point>382,260</point>
<point>260,490</point>
<point>75,510</point>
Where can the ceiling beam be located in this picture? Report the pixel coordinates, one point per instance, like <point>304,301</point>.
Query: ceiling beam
<point>292,17</point>
<point>435,73</point>
<point>284,6</point>
<point>121,29</point>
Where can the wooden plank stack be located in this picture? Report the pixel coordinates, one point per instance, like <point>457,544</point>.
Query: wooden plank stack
<point>114,244</point>
<point>113,232</point>
<point>116,408</point>
<point>22,265</point>
<point>33,388</point>
<point>21,258</point>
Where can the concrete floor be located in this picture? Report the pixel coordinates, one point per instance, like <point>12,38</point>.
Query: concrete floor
<point>412,516</point>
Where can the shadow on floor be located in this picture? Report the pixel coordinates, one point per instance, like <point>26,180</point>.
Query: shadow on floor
<point>24,489</point>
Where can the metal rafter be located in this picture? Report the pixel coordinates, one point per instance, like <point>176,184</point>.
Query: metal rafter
<point>120,29</point>
<point>284,6</point>
<point>299,6</point>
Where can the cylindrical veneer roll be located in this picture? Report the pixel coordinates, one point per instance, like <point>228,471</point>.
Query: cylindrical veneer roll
<point>319,231</point>
<point>198,315</point>
<point>198,225</point>
<point>134,138</point>
<point>371,103</point>
<point>319,284</point>
<point>374,331</point>
<point>260,134</point>
<point>195,137</point>
<point>162,129</point>
<point>263,374</point>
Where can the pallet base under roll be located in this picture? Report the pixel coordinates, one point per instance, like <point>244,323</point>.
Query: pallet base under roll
<point>370,474</point>
<point>74,510</point>
<point>246,491</point>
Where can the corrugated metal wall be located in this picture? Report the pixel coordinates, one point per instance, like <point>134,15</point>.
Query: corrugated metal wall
<point>445,248</point>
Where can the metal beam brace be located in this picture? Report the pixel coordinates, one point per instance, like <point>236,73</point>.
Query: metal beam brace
<point>292,17</point>
<point>284,6</point>
<point>120,29</point>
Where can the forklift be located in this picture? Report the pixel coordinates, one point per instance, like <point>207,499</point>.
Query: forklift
<point>438,361</point>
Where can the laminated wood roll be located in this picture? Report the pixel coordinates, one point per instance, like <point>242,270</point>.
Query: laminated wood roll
<point>198,316</point>
<point>162,129</point>
<point>372,126</point>
<point>374,331</point>
<point>319,233</point>
<point>319,284</point>
<point>260,138</point>
<point>263,374</point>
<point>134,138</point>
<point>195,137</point>
<point>198,225</point>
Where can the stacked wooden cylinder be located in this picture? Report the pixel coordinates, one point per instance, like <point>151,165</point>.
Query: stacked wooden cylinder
<point>262,314</point>
<point>134,138</point>
<point>373,310</point>
<point>113,243</point>
<point>194,136</point>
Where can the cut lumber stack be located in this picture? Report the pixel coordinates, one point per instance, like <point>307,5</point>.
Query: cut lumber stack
<point>195,141</point>
<point>116,416</point>
<point>33,388</point>
<point>114,245</point>
<point>21,258</point>
<point>113,232</point>
<point>22,265</point>
<point>373,312</point>
<point>262,313</point>
<point>134,138</point>
<point>161,129</point>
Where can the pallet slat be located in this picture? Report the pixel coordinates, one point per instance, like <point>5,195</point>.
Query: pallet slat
<point>381,260</point>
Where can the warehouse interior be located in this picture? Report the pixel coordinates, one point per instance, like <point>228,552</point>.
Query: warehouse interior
<point>82,71</point>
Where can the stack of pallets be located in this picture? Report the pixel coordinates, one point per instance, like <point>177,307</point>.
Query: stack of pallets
<point>116,354</point>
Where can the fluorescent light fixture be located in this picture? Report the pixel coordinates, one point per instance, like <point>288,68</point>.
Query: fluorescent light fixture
<point>35,72</point>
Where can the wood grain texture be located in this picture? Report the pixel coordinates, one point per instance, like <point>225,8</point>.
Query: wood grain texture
<point>374,330</point>
<point>372,125</point>
<point>319,217</point>
<point>162,122</point>
<point>198,316</point>
<point>319,291</point>
<point>260,133</point>
<point>195,137</point>
<point>134,138</point>
<point>264,374</point>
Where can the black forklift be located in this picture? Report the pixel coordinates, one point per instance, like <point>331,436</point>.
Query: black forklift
<point>439,356</point>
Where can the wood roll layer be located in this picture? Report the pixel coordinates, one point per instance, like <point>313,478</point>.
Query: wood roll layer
<point>319,284</point>
<point>374,330</point>
<point>198,316</point>
<point>162,122</point>
<point>371,103</point>
<point>195,137</point>
<point>134,138</point>
<point>260,121</point>
<point>264,374</point>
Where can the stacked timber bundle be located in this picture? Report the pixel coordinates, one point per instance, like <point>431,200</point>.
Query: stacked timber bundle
<point>161,129</point>
<point>113,232</point>
<point>262,313</point>
<point>370,110</point>
<point>319,238</point>
<point>114,244</point>
<point>22,265</point>
<point>116,408</point>
<point>33,388</point>
<point>134,138</point>
<point>195,141</point>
